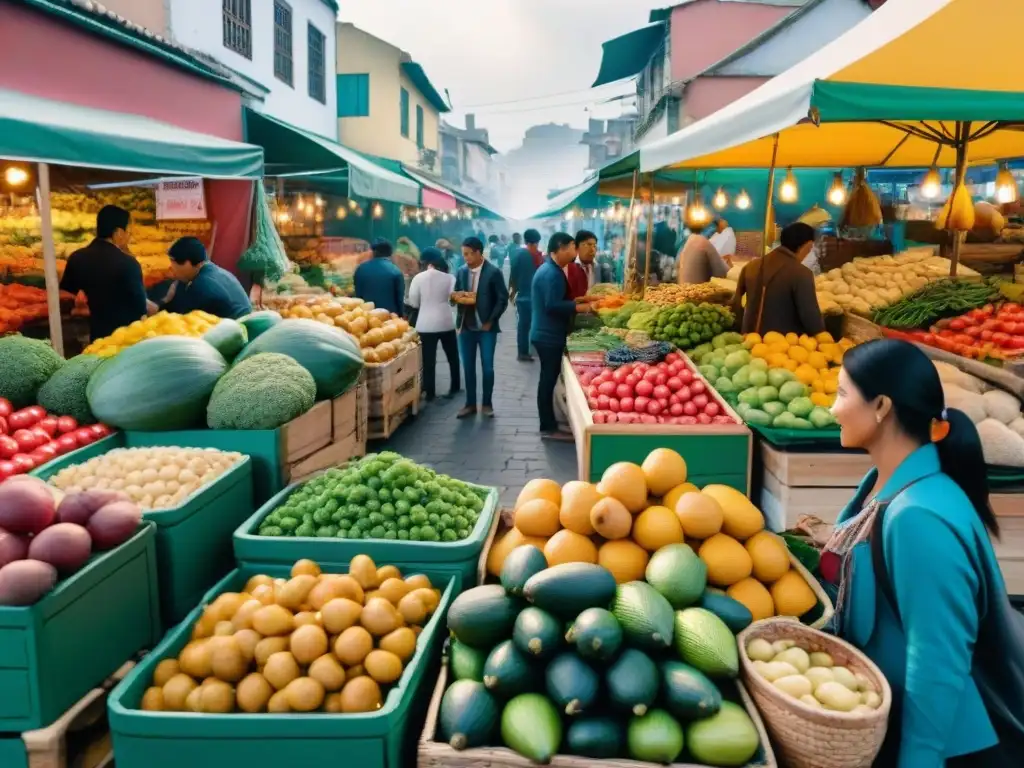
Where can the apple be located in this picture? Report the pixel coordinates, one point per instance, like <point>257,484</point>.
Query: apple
<point>712,409</point>
<point>689,408</point>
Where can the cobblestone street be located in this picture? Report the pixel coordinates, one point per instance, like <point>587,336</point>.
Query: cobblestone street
<point>504,452</point>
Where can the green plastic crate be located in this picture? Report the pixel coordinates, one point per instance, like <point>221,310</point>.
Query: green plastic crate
<point>461,558</point>
<point>54,652</point>
<point>50,468</point>
<point>194,540</point>
<point>382,739</point>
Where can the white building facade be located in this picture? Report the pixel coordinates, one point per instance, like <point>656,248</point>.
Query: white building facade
<point>287,47</point>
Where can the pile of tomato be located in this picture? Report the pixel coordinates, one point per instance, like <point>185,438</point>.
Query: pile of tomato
<point>30,437</point>
<point>988,332</point>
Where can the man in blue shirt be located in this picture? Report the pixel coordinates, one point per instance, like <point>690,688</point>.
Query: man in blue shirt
<point>525,262</point>
<point>379,281</point>
<point>199,284</point>
<point>552,314</point>
<point>477,322</point>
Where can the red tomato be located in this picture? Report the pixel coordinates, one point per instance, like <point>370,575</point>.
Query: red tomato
<point>963,338</point>
<point>640,403</point>
<point>662,392</point>
<point>49,449</point>
<point>645,388</point>
<point>8,447</point>
<point>712,409</point>
<point>592,402</point>
<point>697,387</point>
<point>701,401</point>
<point>27,440</point>
<point>626,404</point>
<point>22,419</point>
<point>652,375</point>
<point>7,469</point>
<point>66,444</point>
<point>605,388</point>
<point>676,409</point>
<point>689,420</point>
<point>974,332</point>
<point>24,463</point>
<point>686,375</point>
<point>37,411</point>
<point>84,436</point>
<point>672,357</point>
<point>3,426</point>
<point>602,402</point>
<point>1000,339</point>
<point>613,404</point>
<point>654,407</point>
<point>703,418</point>
<point>42,436</point>
<point>648,419</point>
<point>662,378</point>
<point>689,408</point>
<point>67,424</point>
<point>957,323</point>
<point>39,457</point>
<point>684,394</point>
<point>48,425</point>
<point>674,383</point>
<point>6,409</point>
<point>620,375</point>
<point>611,418</point>
<point>633,379</point>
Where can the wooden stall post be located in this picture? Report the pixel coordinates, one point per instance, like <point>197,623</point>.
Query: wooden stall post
<point>49,258</point>
<point>769,216</point>
<point>650,236</point>
<point>963,139</point>
<point>629,268</point>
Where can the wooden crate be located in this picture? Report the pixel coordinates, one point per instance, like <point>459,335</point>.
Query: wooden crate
<point>307,434</point>
<point>396,384</point>
<point>714,453</point>
<point>348,436</point>
<point>431,753</point>
<point>78,739</point>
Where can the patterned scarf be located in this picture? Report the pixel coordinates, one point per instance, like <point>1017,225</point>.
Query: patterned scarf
<point>836,563</point>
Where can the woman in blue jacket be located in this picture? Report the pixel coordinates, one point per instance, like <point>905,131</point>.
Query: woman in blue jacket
<point>919,587</point>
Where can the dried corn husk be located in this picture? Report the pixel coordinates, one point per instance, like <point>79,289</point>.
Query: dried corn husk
<point>957,215</point>
<point>863,208</point>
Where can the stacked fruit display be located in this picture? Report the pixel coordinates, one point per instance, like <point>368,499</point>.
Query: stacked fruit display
<point>194,324</point>
<point>564,658</point>
<point>30,437</point>
<point>669,392</point>
<point>316,642</point>
<point>153,478</point>
<point>777,381</point>
<point>687,325</point>
<point>637,510</point>
<point>382,496</point>
<point>46,535</point>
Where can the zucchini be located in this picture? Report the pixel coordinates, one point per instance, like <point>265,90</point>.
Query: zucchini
<point>568,589</point>
<point>483,616</point>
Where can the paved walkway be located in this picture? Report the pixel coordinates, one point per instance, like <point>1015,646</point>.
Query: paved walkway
<point>504,452</point>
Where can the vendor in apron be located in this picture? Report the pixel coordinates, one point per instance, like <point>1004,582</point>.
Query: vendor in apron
<point>911,566</point>
<point>779,289</point>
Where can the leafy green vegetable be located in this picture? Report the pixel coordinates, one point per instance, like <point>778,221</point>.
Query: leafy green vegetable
<point>64,392</point>
<point>25,365</point>
<point>264,391</point>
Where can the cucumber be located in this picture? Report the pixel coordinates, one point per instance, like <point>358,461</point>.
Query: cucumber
<point>598,737</point>
<point>655,737</point>
<point>537,633</point>
<point>508,672</point>
<point>735,614</point>
<point>596,634</point>
<point>522,563</point>
<point>468,716</point>
<point>687,693</point>
<point>632,682</point>
<point>530,725</point>
<point>466,663</point>
<point>645,615</point>
<point>572,684</point>
<point>568,589</point>
<point>483,616</point>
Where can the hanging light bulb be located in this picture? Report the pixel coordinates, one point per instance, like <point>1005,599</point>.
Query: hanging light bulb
<point>788,190</point>
<point>352,204</point>
<point>676,200</point>
<point>743,200</point>
<point>720,200</point>
<point>308,209</point>
<point>378,211</point>
<point>697,215</point>
<point>594,214</point>
<point>341,213</point>
<point>931,184</point>
<point>569,214</point>
<point>444,217</point>
<point>1006,186</point>
<point>283,217</point>
<point>837,192</point>
<point>428,217</point>
<point>319,202</point>
<point>15,175</point>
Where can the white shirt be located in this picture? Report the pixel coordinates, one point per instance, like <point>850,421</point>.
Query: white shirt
<point>724,242</point>
<point>430,292</point>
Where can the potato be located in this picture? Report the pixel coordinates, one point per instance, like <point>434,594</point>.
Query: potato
<point>77,508</point>
<point>164,671</point>
<point>267,647</point>
<point>25,582</point>
<point>308,643</point>
<point>153,699</point>
<point>339,614</point>
<point>278,703</point>
<point>114,523</point>
<point>26,506</point>
<point>12,547</point>
<point>305,568</point>
<point>195,659</point>
<point>295,591</point>
<point>328,672</point>
<point>176,691</point>
<point>227,660</point>
<point>271,620</point>
<point>257,581</point>
<point>248,639</point>
<point>253,693</point>
<point>280,669</point>
<point>243,616</point>
<point>304,694</point>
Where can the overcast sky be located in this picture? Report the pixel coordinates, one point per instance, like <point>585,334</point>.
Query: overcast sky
<point>515,63</point>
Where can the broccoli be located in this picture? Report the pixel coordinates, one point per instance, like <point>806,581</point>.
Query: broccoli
<point>25,365</point>
<point>261,392</point>
<point>64,392</point>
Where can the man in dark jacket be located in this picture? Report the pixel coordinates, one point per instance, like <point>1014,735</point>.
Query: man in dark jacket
<point>779,289</point>
<point>525,263</point>
<point>379,281</point>
<point>110,278</point>
<point>199,284</point>
<point>553,311</point>
<point>477,323</point>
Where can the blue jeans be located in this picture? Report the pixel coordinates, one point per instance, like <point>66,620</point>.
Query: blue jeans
<point>523,309</point>
<point>486,342</point>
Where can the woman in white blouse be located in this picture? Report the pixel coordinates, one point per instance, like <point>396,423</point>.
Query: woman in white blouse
<point>430,294</point>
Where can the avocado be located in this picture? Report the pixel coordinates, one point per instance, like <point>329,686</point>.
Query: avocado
<point>483,616</point>
<point>597,737</point>
<point>468,716</point>
<point>735,614</point>
<point>596,634</point>
<point>508,671</point>
<point>655,737</point>
<point>466,663</point>
<point>531,726</point>
<point>727,738</point>
<point>568,589</point>
<point>632,682</point>
<point>522,563</point>
<point>688,694</point>
<point>572,684</point>
<point>537,633</point>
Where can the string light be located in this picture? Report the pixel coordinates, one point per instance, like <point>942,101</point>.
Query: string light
<point>319,202</point>
<point>931,185</point>
<point>1006,186</point>
<point>352,204</point>
<point>444,217</point>
<point>569,214</point>
<point>378,210</point>
<point>676,200</point>
<point>788,190</point>
<point>428,217</point>
<point>743,200</point>
<point>837,192</point>
<point>696,214</point>
<point>720,200</point>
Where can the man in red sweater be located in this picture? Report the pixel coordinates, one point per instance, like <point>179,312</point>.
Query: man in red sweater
<point>582,272</point>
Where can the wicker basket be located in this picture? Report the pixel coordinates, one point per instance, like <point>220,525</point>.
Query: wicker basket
<point>807,737</point>
<point>827,609</point>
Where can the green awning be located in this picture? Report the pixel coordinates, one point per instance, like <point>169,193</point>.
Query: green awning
<point>627,55</point>
<point>291,151</point>
<point>583,195</point>
<point>33,129</point>
<point>419,78</point>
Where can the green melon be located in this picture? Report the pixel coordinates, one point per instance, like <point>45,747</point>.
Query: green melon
<point>256,323</point>
<point>228,337</point>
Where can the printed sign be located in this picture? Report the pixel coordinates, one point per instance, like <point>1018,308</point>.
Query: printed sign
<point>180,199</point>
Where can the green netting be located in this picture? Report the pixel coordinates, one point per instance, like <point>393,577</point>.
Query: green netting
<point>265,254</point>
